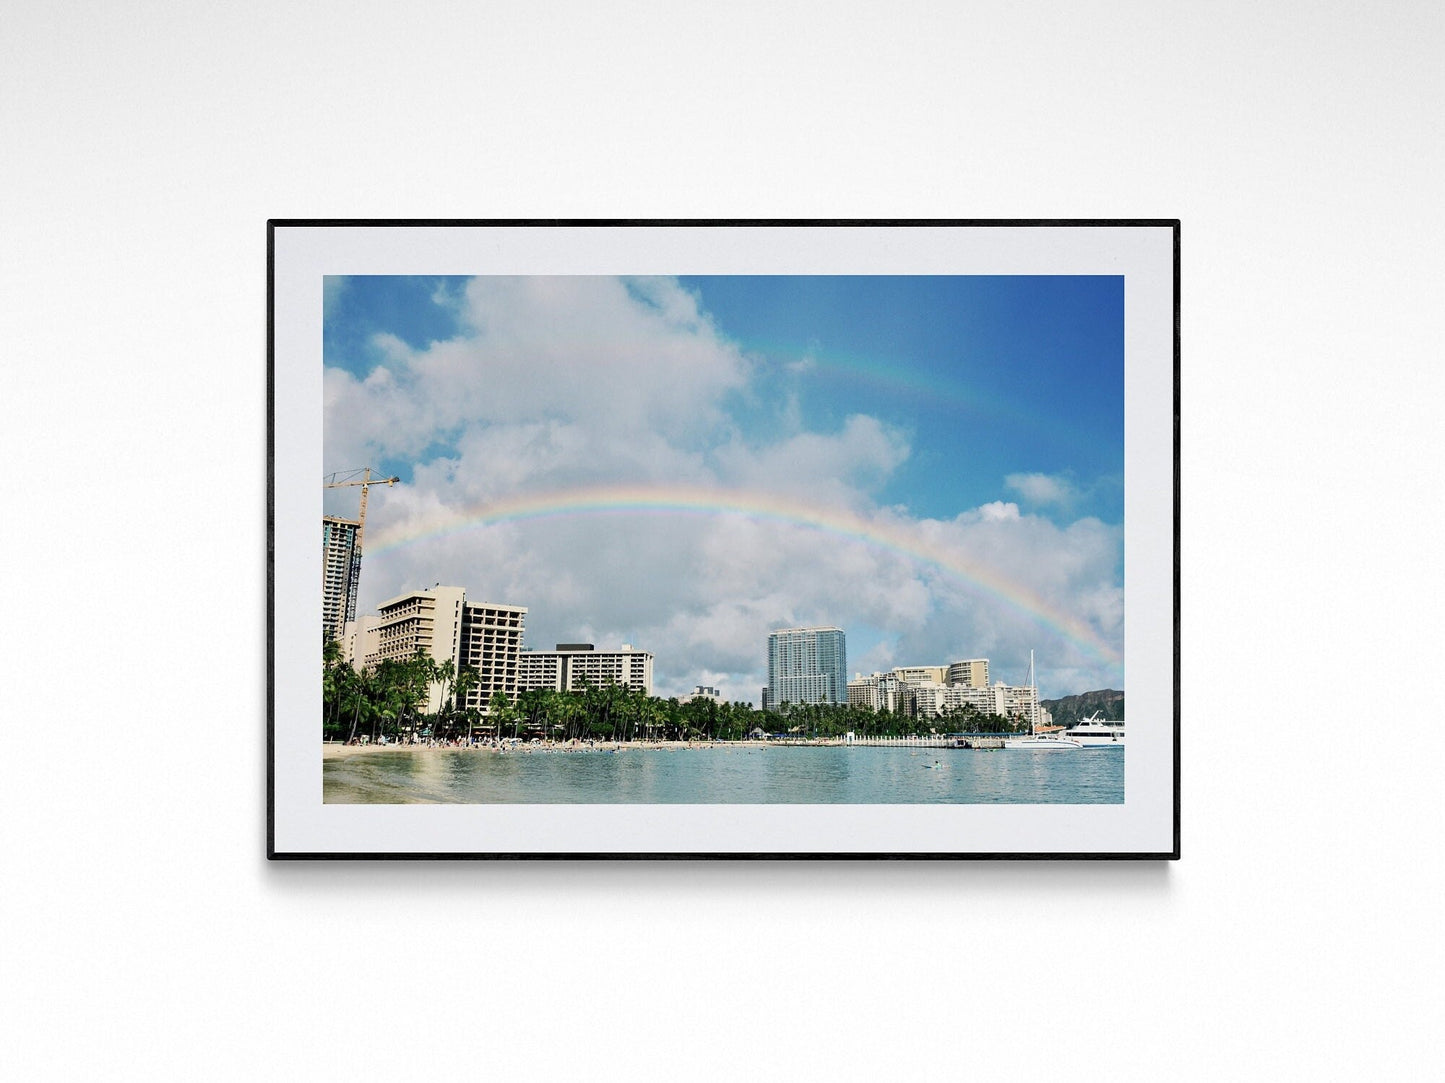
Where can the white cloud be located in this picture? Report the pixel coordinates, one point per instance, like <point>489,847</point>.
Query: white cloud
<point>996,512</point>
<point>825,466</point>
<point>1042,489</point>
<point>613,356</point>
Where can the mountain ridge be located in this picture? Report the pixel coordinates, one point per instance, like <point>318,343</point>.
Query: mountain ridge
<point>1066,710</point>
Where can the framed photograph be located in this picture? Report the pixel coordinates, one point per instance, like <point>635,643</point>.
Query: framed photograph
<point>751,539</point>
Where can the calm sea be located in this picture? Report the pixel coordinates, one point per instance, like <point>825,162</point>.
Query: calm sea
<point>722,775</point>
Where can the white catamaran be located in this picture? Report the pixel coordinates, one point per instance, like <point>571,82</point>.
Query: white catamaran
<point>1039,742</point>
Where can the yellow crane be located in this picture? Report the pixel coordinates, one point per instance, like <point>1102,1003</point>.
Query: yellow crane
<point>343,479</point>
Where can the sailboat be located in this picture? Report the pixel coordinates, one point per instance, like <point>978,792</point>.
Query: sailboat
<point>1039,742</point>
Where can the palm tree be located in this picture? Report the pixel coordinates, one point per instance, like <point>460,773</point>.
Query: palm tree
<point>468,679</point>
<point>648,711</point>
<point>501,711</point>
<point>445,675</point>
<point>330,692</point>
<point>355,695</point>
<point>569,711</point>
<point>421,674</point>
<point>532,705</point>
<point>598,703</point>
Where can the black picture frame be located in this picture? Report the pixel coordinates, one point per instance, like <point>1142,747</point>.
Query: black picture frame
<point>344,246</point>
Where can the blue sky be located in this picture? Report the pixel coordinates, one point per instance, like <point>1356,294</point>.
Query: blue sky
<point>979,419</point>
<point>989,376</point>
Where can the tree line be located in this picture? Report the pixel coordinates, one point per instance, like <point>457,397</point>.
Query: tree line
<point>388,700</point>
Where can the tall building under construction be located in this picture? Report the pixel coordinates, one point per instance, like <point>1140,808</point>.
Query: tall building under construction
<point>340,572</point>
<point>341,552</point>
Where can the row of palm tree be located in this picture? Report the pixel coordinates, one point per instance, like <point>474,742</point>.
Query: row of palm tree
<point>831,720</point>
<point>390,699</point>
<point>616,712</point>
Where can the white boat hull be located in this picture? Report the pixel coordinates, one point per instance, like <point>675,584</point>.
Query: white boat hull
<point>1042,744</point>
<point>1097,733</point>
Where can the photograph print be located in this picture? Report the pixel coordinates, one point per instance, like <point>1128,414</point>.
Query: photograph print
<point>788,548</point>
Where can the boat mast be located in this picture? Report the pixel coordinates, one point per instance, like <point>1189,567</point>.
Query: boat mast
<point>1034,707</point>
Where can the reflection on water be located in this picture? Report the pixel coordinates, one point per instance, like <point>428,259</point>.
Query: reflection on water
<point>728,775</point>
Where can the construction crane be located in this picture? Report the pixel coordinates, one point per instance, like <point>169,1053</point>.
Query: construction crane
<point>339,588</point>
<point>343,479</point>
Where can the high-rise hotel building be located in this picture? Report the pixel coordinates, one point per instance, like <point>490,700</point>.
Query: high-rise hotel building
<point>970,673</point>
<point>441,623</point>
<point>807,665</point>
<point>340,572</point>
<point>573,666</point>
<point>930,691</point>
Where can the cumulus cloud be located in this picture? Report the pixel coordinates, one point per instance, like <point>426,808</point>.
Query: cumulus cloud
<point>556,384</point>
<point>846,463</point>
<point>1042,489</point>
<point>613,356</point>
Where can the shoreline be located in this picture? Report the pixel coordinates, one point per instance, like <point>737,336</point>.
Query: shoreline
<point>333,750</point>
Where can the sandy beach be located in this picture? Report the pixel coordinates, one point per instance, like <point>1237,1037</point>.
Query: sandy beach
<point>331,750</point>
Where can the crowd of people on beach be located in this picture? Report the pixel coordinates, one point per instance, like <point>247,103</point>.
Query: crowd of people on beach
<point>505,744</point>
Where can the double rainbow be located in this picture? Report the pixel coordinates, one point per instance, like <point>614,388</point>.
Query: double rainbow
<point>761,507</point>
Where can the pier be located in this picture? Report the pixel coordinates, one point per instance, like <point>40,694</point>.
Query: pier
<point>957,740</point>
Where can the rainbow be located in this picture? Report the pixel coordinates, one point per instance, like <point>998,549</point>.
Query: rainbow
<point>892,376</point>
<point>760,507</point>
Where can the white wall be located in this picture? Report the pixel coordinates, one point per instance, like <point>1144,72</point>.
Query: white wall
<point>145,145</point>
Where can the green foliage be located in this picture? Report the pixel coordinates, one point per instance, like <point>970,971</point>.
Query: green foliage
<point>378,702</point>
<point>390,699</point>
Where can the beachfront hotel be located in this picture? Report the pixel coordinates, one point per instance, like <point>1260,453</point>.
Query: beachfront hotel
<point>573,666</point>
<point>879,692</point>
<point>931,690</point>
<point>340,572</point>
<point>972,672</point>
<point>443,624</point>
<point>806,665</point>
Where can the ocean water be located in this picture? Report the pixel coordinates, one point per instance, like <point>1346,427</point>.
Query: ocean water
<point>729,775</point>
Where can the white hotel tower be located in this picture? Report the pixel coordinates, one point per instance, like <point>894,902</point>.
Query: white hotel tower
<point>807,665</point>
<point>573,666</point>
<point>442,623</point>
